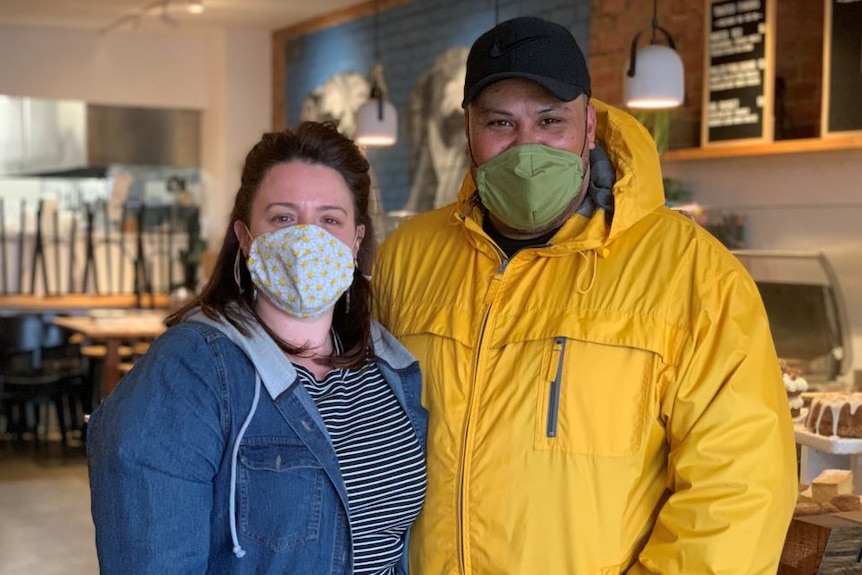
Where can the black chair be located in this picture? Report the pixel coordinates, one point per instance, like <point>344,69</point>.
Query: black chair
<point>38,370</point>
<point>61,353</point>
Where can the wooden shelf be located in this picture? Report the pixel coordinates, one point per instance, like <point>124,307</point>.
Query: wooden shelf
<point>76,302</point>
<point>829,143</point>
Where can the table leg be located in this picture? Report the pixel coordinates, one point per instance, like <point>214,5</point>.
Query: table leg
<point>111,368</point>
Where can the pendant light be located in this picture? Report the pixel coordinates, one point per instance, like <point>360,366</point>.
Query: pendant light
<point>654,78</point>
<point>376,119</point>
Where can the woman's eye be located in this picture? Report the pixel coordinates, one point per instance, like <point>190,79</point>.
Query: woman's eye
<point>283,219</point>
<point>330,221</point>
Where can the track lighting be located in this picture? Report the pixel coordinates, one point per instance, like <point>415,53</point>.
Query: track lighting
<point>165,10</point>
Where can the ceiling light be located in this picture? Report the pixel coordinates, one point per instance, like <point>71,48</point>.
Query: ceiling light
<point>655,75</point>
<point>377,119</point>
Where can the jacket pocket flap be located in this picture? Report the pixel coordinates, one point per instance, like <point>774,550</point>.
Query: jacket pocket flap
<point>277,457</point>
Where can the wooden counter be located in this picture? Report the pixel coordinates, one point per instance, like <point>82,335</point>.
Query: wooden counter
<point>77,302</point>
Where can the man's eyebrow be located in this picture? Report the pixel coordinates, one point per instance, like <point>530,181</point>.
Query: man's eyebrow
<point>558,108</point>
<point>490,110</point>
<point>554,108</point>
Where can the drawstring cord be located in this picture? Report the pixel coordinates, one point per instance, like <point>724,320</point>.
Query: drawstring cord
<point>587,269</point>
<point>237,549</point>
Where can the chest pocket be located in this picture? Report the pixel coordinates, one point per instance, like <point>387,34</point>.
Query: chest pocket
<point>280,488</point>
<point>592,399</point>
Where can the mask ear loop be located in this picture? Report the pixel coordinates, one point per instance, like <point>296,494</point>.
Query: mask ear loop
<point>347,293</point>
<point>237,276</point>
<point>474,200</point>
<point>236,271</point>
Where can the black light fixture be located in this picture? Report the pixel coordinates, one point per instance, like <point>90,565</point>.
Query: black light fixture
<point>377,119</point>
<point>655,76</point>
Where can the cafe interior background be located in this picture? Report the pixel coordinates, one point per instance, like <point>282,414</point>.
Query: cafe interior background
<point>124,124</point>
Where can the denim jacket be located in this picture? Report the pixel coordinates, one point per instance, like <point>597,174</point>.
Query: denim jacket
<point>209,457</point>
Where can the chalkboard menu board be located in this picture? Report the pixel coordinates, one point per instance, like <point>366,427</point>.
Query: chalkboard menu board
<point>739,53</point>
<point>842,94</point>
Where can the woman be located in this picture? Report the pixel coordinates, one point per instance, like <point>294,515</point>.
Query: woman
<point>274,427</point>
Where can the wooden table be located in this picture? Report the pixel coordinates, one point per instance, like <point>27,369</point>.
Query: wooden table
<point>112,330</point>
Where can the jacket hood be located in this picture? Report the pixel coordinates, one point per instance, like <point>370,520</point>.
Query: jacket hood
<point>275,370</point>
<point>638,189</point>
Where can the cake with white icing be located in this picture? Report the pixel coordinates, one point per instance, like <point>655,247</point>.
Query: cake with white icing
<point>836,415</point>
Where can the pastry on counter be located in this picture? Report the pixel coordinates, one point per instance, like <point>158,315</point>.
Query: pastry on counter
<point>831,482</point>
<point>836,415</point>
<point>794,385</point>
<point>829,492</point>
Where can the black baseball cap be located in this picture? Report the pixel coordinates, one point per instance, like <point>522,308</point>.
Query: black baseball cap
<point>531,48</point>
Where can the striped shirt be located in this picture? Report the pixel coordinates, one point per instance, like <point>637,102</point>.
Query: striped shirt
<point>380,460</point>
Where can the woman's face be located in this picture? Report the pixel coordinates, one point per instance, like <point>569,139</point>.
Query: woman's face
<point>297,192</point>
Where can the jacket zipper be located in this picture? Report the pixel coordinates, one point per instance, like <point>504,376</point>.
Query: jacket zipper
<point>462,558</point>
<point>559,353</point>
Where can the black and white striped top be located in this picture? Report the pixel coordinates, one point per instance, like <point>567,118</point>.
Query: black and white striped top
<point>380,460</point>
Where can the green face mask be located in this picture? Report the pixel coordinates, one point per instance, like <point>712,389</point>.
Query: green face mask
<point>527,186</point>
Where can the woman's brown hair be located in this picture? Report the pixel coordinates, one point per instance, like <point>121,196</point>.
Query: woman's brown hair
<point>314,143</point>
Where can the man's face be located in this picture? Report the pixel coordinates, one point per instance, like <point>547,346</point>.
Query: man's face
<point>518,111</point>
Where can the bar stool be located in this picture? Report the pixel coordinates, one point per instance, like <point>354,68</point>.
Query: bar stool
<point>95,357</point>
<point>138,349</point>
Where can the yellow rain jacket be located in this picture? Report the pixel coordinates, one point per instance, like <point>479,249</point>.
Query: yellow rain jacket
<point>608,403</point>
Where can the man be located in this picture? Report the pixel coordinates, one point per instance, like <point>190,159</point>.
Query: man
<point>603,391</point>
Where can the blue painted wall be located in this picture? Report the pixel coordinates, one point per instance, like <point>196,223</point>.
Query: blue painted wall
<point>411,37</point>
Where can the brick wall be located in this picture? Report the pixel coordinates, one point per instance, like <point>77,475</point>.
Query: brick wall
<point>799,63</point>
<point>798,60</point>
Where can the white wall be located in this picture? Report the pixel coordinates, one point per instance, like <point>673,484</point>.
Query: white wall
<point>226,75</point>
<point>239,112</point>
<point>802,201</point>
<point>146,69</point>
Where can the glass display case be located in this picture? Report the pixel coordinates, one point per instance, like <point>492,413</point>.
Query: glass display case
<point>806,311</point>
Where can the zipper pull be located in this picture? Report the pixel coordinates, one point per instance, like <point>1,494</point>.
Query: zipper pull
<point>555,376</point>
